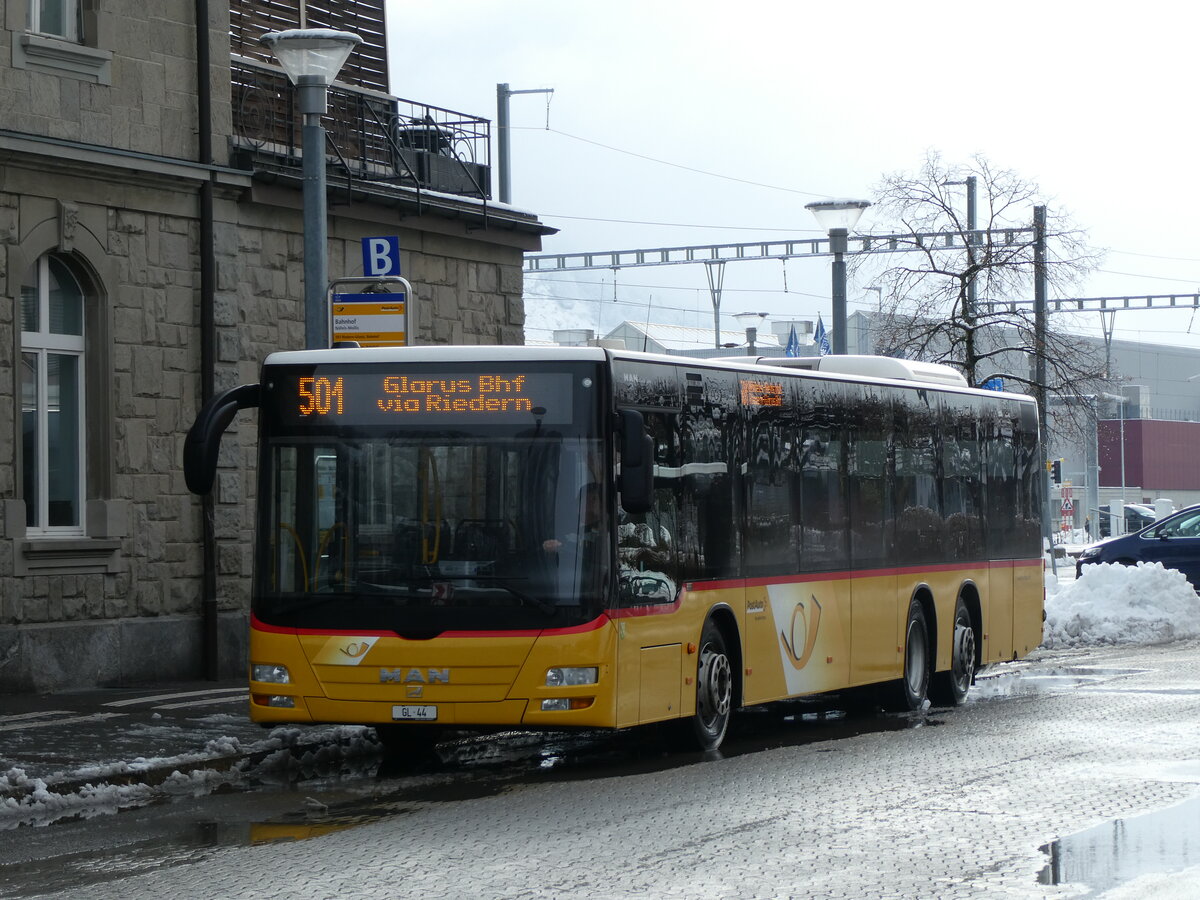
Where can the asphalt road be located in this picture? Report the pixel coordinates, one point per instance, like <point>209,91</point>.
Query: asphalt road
<point>1086,748</point>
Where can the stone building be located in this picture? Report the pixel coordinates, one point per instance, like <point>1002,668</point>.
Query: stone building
<point>150,255</point>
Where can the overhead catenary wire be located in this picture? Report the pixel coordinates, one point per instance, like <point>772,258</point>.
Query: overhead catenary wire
<point>752,183</point>
<point>718,175</point>
<point>674,165</point>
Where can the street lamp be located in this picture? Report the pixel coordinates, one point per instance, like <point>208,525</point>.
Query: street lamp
<point>312,57</point>
<point>838,217</point>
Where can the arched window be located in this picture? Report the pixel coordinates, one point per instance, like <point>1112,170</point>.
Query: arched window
<point>52,398</point>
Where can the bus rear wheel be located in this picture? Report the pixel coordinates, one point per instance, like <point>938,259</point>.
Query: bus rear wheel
<point>714,689</point>
<point>950,688</point>
<point>913,688</point>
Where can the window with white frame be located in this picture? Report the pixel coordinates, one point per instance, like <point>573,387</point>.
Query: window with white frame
<point>52,398</point>
<point>59,18</point>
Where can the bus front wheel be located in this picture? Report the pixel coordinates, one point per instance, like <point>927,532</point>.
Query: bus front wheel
<point>714,689</point>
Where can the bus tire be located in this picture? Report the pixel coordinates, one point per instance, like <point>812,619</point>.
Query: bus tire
<point>950,688</point>
<point>911,691</point>
<point>714,689</point>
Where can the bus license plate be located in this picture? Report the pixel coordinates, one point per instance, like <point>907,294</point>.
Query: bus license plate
<point>420,713</point>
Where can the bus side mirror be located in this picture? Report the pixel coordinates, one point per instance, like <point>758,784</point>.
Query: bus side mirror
<point>637,463</point>
<point>203,442</point>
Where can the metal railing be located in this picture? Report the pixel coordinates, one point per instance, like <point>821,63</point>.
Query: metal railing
<point>371,136</point>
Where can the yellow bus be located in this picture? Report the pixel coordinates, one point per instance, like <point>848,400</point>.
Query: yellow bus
<point>530,537</point>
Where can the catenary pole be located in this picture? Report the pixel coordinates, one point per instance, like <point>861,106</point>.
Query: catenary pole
<point>503,92</point>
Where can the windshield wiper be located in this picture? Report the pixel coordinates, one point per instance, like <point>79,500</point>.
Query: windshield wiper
<point>504,582</point>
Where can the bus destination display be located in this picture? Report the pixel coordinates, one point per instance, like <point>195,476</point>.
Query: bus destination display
<point>375,397</point>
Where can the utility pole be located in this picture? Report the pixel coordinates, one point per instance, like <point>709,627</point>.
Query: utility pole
<point>1039,312</point>
<point>972,240</point>
<point>1039,361</point>
<point>502,129</point>
<point>715,270</point>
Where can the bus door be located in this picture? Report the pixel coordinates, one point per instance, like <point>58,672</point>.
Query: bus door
<point>648,586</point>
<point>878,613</point>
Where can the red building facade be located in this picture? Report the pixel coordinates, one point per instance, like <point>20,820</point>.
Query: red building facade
<point>1160,456</point>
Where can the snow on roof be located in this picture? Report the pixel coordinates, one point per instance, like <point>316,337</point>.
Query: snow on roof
<point>682,337</point>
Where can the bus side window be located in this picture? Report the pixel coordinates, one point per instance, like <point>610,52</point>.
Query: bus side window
<point>824,541</point>
<point>710,474</point>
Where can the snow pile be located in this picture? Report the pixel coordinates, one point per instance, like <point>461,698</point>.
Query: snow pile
<point>285,755</point>
<point>40,804</point>
<point>1114,604</point>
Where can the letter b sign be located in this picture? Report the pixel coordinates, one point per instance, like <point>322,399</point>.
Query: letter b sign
<point>381,256</point>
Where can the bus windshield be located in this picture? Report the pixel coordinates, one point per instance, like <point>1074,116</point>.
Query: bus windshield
<point>368,523</point>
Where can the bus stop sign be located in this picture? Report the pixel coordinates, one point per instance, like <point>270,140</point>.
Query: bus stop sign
<point>373,320</point>
<point>381,256</point>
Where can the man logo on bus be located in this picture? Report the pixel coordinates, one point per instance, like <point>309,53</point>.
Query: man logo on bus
<point>803,638</point>
<point>414,676</point>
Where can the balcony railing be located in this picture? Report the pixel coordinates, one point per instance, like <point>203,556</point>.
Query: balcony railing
<point>371,136</point>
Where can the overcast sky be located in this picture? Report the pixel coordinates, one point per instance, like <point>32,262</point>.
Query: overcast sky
<point>815,100</point>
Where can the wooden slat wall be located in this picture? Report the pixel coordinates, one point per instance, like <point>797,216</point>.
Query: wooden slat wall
<point>366,67</point>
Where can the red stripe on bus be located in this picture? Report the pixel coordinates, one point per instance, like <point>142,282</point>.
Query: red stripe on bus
<point>594,625</point>
<point>662,609</point>
<point>659,609</point>
<point>726,584</point>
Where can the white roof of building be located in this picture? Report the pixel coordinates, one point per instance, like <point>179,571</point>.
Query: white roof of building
<point>681,337</point>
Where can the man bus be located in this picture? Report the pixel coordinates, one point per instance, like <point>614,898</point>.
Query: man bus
<point>743,531</point>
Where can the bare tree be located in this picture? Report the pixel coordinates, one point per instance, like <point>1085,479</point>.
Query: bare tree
<point>927,310</point>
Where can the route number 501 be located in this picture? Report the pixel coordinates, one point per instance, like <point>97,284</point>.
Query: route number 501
<point>321,396</point>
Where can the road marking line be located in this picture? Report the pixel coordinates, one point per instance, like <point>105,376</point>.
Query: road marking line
<point>245,696</point>
<point>132,700</point>
<point>17,717</point>
<point>73,720</point>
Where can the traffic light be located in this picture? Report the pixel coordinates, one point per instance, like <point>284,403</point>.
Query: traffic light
<point>1056,470</point>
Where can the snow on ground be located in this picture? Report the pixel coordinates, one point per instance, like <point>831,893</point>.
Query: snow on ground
<point>1115,604</point>
<point>286,752</point>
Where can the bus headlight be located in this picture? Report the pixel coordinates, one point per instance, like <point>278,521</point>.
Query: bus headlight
<point>270,674</point>
<point>564,704</point>
<point>276,700</point>
<point>570,676</point>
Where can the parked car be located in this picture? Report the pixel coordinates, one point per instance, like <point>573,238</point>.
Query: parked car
<point>1173,541</point>
<point>1137,517</point>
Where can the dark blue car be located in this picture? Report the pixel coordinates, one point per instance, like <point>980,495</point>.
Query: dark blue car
<point>1173,541</point>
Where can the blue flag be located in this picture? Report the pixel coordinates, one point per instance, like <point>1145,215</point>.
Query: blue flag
<point>793,344</point>
<point>821,339</point>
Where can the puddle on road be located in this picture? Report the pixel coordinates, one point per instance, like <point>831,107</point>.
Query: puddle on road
<point>1116,852</point>
<point>486,766</point>
<point>293,794</point>
<point>1019,682</point>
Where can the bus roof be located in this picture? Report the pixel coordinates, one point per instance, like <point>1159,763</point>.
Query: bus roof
<point>842,367</point>
<point>432,353</point>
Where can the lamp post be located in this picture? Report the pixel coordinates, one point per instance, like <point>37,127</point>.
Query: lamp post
<point>838,217</point>
<point>312,57</point>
